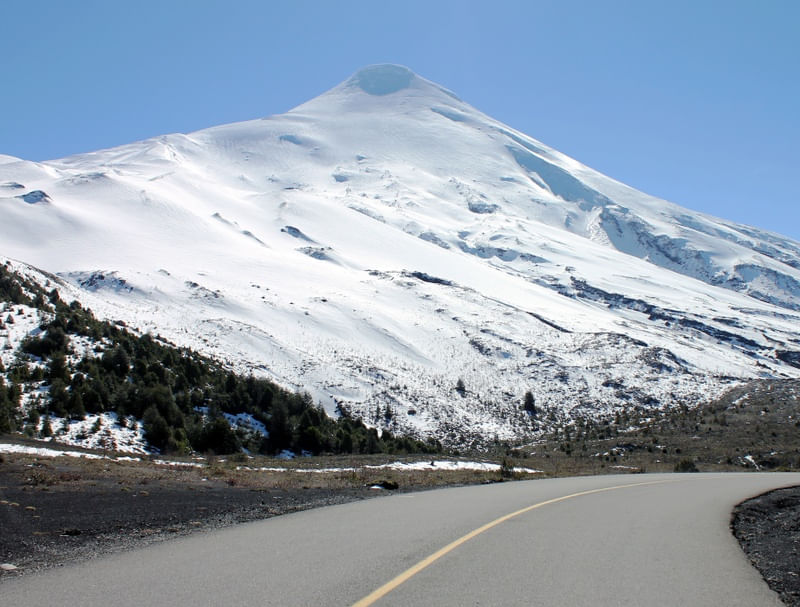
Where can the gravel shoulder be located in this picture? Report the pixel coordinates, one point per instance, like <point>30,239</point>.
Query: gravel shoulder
<point>58,512</point>
<point>768,530</point>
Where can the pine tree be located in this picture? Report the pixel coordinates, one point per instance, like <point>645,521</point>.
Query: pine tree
<point>57,369</point>
<point>156,430</point>
<point>75,406</point>
<point>47,428</point>
<point>6,410</point>
<point>58,398</point>
<point>529,404</point>
<point>280,430</point>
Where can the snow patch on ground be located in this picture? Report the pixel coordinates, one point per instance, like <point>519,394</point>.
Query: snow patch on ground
<point>421,465</point>
<point>45,451</point>
<point>101,432</point>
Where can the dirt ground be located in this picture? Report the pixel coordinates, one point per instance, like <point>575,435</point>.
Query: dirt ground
<point>59,511</point>
<point>768,529</point>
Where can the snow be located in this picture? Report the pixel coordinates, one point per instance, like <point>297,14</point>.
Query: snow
<point>241,420</point>
<point>452,465</point>
<point>45,452</point>
<point>751,461</point>
<point>178,464</point>
<point>12,448</point>
<point>290,247</point>
<point>448,465</point>
<point>98,432</point>
<point>24,321</point>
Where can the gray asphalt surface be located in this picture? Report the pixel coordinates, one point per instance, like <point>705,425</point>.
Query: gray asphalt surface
<point>665,543</point>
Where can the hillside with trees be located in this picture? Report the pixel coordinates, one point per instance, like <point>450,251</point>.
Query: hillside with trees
<point>74,365</point>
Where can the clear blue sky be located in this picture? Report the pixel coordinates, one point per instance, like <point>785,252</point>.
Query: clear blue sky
<point>694,101</point>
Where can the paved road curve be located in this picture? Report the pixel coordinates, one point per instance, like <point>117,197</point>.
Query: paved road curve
<point>614,540</point>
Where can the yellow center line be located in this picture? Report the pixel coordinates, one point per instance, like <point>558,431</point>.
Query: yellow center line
<point>429,560</point>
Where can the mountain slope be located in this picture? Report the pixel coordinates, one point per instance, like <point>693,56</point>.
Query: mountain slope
<point>381,241</point>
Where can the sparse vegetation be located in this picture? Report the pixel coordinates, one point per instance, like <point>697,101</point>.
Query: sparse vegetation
<point>753,426</point>
<point>507,468</point>
<point>686,465</point>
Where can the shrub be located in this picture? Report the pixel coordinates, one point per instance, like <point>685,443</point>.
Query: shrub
<point>686,465</point>
<point>507,468</point>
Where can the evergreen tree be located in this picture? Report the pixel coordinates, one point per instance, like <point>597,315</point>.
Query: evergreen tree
<point>280,429</point>
<point>156,430</point>
<point>47,428</point>
<point>118,361</point>
<point>372,444</point>
<point>217,436</point>
<point>57,369</point>
<point>529,404</point>
<point>75,406</point>
<point>7,410</point>
<point>58,398</point>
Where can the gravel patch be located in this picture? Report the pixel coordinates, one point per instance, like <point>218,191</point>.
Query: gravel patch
<point>768,529</point>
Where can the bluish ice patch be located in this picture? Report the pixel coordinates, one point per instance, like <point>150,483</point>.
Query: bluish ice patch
<point>34,197</point>
<point>383,79</point>
<point>320,253</point>
<point>485,252</point>
<point>526,144</point>
<point>296,233</point>
<point>450,114</point>
<point>252,236</point>
<point>560,183</point>
<point>482,208</point>
<point>291,139</point>
<point>433,238</point>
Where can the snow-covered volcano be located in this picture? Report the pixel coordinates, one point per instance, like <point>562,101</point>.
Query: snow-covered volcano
<point>384,240</point>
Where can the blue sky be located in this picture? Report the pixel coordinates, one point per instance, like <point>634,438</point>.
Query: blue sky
<point>697,102</point>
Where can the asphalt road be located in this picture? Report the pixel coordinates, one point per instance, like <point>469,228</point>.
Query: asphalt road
<point>622,540</point>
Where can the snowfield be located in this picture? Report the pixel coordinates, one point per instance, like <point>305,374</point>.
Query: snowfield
<point>384,240</point>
